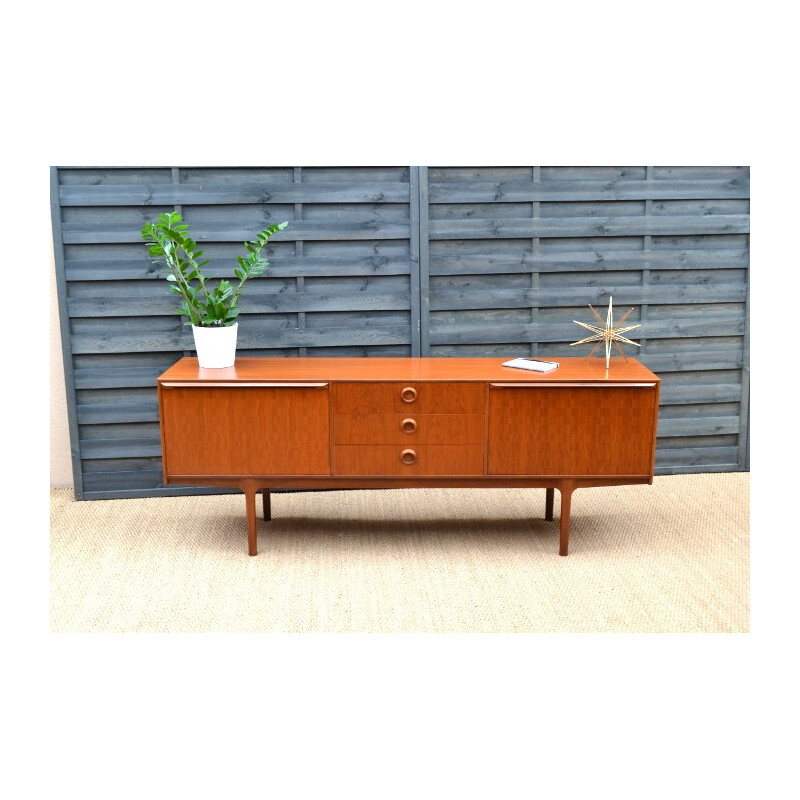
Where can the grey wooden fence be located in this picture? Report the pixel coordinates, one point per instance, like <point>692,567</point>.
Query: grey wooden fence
<point>408,261</point>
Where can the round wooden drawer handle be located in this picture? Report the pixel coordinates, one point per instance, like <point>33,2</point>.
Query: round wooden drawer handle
<point>408,456</point>
<point>409,394</point>
<point>408,425</point>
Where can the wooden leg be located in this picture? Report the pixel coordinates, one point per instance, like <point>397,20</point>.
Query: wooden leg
<point>250,503</point>
<point>267,504</point>
<point>548,504</point>
<point>565,488</point>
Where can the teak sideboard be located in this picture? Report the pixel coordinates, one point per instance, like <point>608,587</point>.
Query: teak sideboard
<point>364,423</point>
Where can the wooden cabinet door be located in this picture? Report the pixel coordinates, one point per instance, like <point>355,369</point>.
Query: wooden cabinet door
<point>572,429</point>
<point>245,430</point>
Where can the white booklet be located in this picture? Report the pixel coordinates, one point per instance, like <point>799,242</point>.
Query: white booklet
<point>532,364</point>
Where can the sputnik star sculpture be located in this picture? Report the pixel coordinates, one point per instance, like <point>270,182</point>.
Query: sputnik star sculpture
<point>608,335</point>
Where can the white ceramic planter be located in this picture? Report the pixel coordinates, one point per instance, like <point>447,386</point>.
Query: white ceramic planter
<point>216,347</point>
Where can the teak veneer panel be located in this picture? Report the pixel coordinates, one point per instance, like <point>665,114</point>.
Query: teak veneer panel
<point>245,431</point>
<point>586,431</point>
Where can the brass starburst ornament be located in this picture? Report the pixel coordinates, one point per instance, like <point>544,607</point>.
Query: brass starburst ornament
<point>608,333</point>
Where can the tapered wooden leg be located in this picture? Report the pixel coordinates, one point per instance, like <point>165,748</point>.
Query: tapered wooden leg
<point>566,488</point>
<point>267,504</point>
<point>250,503</point>
<point>548,504</point>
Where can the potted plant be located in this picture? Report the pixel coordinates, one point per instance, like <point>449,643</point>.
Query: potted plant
<point>211,310</point>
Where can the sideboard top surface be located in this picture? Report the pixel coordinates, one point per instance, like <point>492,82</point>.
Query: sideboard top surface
<point>408,369</point>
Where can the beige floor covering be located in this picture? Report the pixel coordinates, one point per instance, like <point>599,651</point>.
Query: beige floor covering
<point>671,557</point>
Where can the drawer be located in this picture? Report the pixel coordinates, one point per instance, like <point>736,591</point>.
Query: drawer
<point>396,460</point>
<point>402,398</point>
<point>408,429</point>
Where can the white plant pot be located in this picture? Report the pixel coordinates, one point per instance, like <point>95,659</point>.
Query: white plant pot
<point>216,347</point>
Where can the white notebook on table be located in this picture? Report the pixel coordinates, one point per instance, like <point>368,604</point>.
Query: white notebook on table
<point>534,364</point>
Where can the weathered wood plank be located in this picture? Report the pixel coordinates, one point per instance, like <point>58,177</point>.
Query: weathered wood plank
<point>690,469</point>
<point>690,456</point>
<point>117,396</point>
<point>119,377</point>
<point>465,298</point>
<point>465,264</point>
<point>701,393</point>
<point>701,173</point>
<point>298,230</point>
<point>120,448</point>
<point>690,442</point>
<point>665,329</point>
<point>548,191</point>
<point>122,464</point>
<point>713,360</point>
<point>212,193</point>
<point>581,226</point>
<point>135,269</point>
<point>117,305</point>
<point>705,426</point>
<point>279,267</point>
<point>109,176</point>
<point>100,414</point>
<point>554,210</point>
<point>247,339</point>
<point>110,485</point>
<point>700,207</point>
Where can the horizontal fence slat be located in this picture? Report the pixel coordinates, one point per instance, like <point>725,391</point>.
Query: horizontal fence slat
<point>279,267</point>
<point>588,226</point>
<point>674,362</point>
<point>211,193</point>
<point>256,304</point>
<point>701,393</point>
<point>119,377</point>
<point>622,295</point>
<point>688,456</point>
<point>120,448</point>
<point>572,191</point>
<point>111,484</point>
<point>666,329</point>
<point>465,264</point>
<point>246,339</point>
<point>298,230</point>
<point>695,469</point>
<point>100,414</point>
<point>705,426</point>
